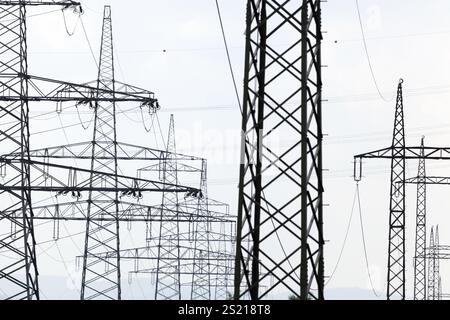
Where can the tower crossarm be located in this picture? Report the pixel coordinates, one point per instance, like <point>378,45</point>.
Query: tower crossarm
<point>83,150</point>
<point>47,181</point>
<point>431,153</point>
<point>128,212</point>
<point>45,89</point>
<point>427,180</point>
<point>63,3</point>
<point>150,253</point>
<point>398,153</point>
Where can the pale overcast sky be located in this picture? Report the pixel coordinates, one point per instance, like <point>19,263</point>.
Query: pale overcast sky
<point>175,49</point>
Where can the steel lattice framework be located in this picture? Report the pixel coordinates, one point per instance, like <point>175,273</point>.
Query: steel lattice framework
<point>420,243</point>
<point>98,280</point>
<point>396,258</point>
<point>280,186</point>
<point>421,255</point>
<point>191,244</point>
<point>168,285</point>
<point>19,275</point>
<point>434,253</point>
<point>433,267</point>
<point>398,153</point>
<point>26,171</point>
<point>201,277</point>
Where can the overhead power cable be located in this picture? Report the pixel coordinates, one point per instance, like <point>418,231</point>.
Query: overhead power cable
<point>364,241</point>
<point>228,54</point>
<point>368,56</point>
<point>89,42</point>
<point>345,240</point>
<point>70,33</point>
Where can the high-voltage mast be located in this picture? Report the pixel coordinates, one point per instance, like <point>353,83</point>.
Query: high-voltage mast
<point>420,243</point>
<point>421,255</point>
<point>201,277</point>
<point>194,253</point>
<point>168,285</point>
<point>398,153</point>
<point>433,267</point>
<point>279,231</point>
<point>434,253</point>
<point>99,280</point>
<point>24,171</point>
<point>19,273</point>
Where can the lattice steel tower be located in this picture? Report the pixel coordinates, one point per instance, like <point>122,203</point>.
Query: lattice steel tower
<point>168,283</point>
<point>419,254</point>
<point>280,235</point>
<point>18,273</point>
<point>433,267</point>
<point>101,277</point>
<point>201,276</point>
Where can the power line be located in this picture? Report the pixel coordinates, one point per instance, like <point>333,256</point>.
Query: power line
<point>228,55</point>
<point>364,241</point>
<point>368,57</point>
<point>345,240</point>
<point>81,121</point>
<point>33,15</point>
<point>70,33</point>
<point>89,42</point>
<point>75,124</point>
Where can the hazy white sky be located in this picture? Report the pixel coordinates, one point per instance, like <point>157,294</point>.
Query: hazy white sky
<point>175,48</point>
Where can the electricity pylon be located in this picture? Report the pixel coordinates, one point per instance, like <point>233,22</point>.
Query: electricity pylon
<point>420,243</point>
<point>433,268</point>
<point>433,254</point>
<point>195,253</point>
<point>398,153</point>
<point>168,285</point>
<point>19,272</point>
<point>201,276</point>
<point>101,278</point>
<point>279,230</point>
<point>26,171</point>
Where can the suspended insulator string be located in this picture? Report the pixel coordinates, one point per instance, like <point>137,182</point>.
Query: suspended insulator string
<point>364,241</point>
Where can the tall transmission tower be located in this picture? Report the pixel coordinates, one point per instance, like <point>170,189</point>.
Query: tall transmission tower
<point>279,231</point>
<point>433,254</point>
<point>434,285</point>
<point>190,245</point>
<point>201,276</point>
<point>436,269</point>
<point>168,285</point>
<point>99,280</point>
<point>26,171</point>
<point>431,285</point>
<point>398,153</point>
<point>420,243</point>
<point>19,274</point>
<point>396,247</point>
<point>426,255</point>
